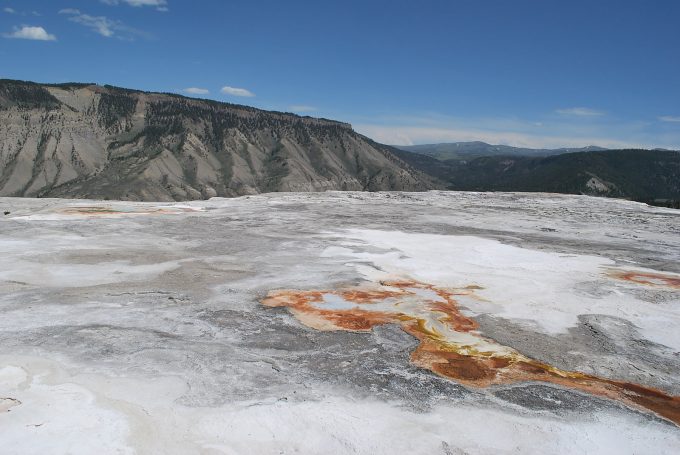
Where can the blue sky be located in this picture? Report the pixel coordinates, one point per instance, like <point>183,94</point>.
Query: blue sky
<point>531,73</point>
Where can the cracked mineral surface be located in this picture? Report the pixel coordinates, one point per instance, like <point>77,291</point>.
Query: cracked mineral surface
<point>371,323</point>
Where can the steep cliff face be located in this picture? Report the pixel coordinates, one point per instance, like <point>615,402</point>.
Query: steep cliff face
<point>81,140</point>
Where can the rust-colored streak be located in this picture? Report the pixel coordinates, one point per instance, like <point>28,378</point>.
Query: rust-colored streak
<point>367,296</point>
<point>647,278</point>
<point>450,343</point>
<point>357,320</point>
<point>108,212</point>
<point>481,371</point>
<point>456,320</point>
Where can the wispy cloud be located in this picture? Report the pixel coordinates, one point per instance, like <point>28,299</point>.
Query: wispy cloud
<point>409,135</point>
<point>302,108</point>
<point>580,112</point>
<point>31,33</point>
<point>69,11</point>
<point>669,118</point>
<point>9,10</point>
<point>196,91</point>
<point>160,5</point>
<point>103,26</point>
<point>235,91</point>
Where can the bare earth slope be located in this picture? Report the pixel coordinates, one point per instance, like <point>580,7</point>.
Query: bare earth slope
<point>340,322</point>
<point>89,141</point>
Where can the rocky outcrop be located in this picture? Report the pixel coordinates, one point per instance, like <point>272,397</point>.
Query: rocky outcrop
<point>91,141</point>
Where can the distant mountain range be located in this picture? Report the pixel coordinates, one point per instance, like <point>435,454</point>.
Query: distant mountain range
<point>651,176</point>
<point>92,141</point>
<point>472,150</point>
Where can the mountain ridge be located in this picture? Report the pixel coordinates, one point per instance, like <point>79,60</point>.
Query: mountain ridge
<point>651,176</point>
<point>100,141</point>
<point>475,149</point>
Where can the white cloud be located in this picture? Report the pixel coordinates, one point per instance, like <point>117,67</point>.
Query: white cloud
<point>146,2</point>
<point>234,91</point>
<point>99,24</point>
<point>580,111</point>
<point>31,33</point>
<point>302,108</point>
<point>669,118</point>
<point>196,91</point>
<point>161,5</point>
<point>102,25</point>
<point>9,10</point>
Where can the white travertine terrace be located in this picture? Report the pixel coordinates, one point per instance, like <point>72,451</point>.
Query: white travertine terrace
<point>138,328</point>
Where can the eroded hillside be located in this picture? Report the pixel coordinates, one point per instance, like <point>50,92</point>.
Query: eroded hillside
<point>83,140</point>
